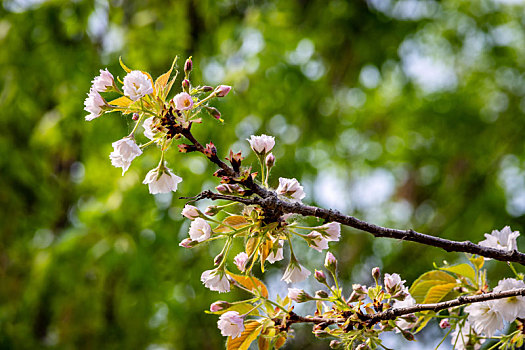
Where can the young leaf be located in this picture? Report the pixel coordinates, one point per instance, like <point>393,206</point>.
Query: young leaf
<point>250,333</point>
<point>235,221</point>
<point>122,101</point>
<point>462,270</point>
<point>250,283</point>
<point>123,65</point>
<point>162,80</point>
<point>437,293</point>
<point>428,280</point>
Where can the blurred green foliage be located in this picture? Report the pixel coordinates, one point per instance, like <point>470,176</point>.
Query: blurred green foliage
<point>406,113</point>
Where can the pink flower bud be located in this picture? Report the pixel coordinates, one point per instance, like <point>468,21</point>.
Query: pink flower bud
<point>298,295</point>
<point>188,66</point>
<point>212,210</point>
<point>320,276</point>
<point>190,212</point>
<point>240,261</point>
<point>444,323</point>
<point>219,305</point>
<point>270,160</point>
<point>330,262</point>
<point>334,344</point>
<point>186,243</point>
<point>321,294</point>
<point>186,85</point>
<point>376,272</point>
<point>222,90</point>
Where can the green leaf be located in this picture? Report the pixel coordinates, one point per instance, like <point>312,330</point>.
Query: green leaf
<point>478,262</point>
<point>162,81</point>
<point>421,287</point>
<point>462,270</point>
<point>250,333</point>
<point>251,283</point>
<point>437,293</point>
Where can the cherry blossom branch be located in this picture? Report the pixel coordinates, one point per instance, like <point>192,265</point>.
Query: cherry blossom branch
<point>275,207</point>
<point>393,313</point>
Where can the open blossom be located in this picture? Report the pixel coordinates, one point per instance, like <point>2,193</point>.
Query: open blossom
<point>262,144</point>
<point>276,255</point>
<point>222,90</point>
<point>200,230</point>
<point>240,261</point>
<point>190,212</point>
<point>484,317</point>
<point>103,82</point>
<point>215,280</point>
<point>402,322</point>
<point>393,283</point>
<point>137,85</point>
<point>161,183</point>
<point>124,151</point>
<point>461,339</point>
<point>149,131</point>
<point>183,101</point>
<point>291,189</point>
<point>513,307</point>
<point>504,239</point>
<point>295,273</point>
<point>94,104</point>
<point>231,324</point>
<point>331,231</point>
<point>317,241</point>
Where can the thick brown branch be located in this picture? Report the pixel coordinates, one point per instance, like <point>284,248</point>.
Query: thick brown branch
<point>269,201</point>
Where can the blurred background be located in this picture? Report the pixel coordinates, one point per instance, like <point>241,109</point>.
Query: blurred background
<point>409,114</point>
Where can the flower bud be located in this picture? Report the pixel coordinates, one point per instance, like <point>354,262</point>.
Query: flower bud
<point>187,243</point>
<point>188,66</point>
<point>206,88</point>
<point>330,262</point>
<point>298,295</point>
<point>222,90</point>
<point>212,210</point>
<point>359,289</point>
<point>190,212</point>
<point>361,347</point>
<point>218,259</point>
<point>270,160</point>
<point>186,85</point>
<point>214,112</point>
<point>376,272</point>
<point>334,344</point>
<point>135,116</point>
<point>444,323</point>
<point>321,294</point>
<point>219,305</point>
<point>320,276</point>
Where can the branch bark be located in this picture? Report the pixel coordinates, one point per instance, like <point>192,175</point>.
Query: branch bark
<point>269,201</point>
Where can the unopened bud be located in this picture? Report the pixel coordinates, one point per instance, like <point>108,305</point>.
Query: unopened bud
<point>444,323</point>
<point>187,243</point>
<point>408,336</point>
<point>321,294</point>
<point>218,259</point>
<point>186,85</point>
<point>190,212</point>
<point>135,116</point>
<point>298,295</point>
<point>212,210</point>
<point>270,160</point>
<point>188,66</point>
<point>222,90</point>
<point>206,88</point>
<point>320,276</point>
<point>361,347</point>
<point>330,262</point>
<point>219,305</point>
<point>214,112</point>
<point>376,272</point>
<point>359,289</point>
<point>334,344</point>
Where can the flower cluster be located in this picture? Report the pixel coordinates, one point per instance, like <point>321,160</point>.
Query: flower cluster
<point>161,118</point>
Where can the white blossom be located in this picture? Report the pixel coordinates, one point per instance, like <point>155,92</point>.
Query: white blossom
<point>231,324</point>
<point>137,85</point>
<point>124,151</point>
<point>103,82</point>
<point>262,144</point>
<point>183,101</point>
<point>295,273</point>
<point>317,241</point>
<point>393,283</point>
<point>291,189</point>
<point>504,239</point>
<point>276,255</point>
<point>190,212</point>
<point>513,307</point>
<point>149,132</point>
<point>216,281</point>
<point>240,261</point>
<point>200,230</point>
<point>331,231</point>
<point>401,322</point>
<point>484,317</point>
<point>161,183</point>
<point>94,104</point>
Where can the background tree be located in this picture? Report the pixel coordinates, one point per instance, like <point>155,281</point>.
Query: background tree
<point>404,113</point>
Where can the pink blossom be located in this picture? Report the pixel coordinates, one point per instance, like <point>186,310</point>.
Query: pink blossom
<point>262,144</point>
<point>103,82</point>
<point>290,189</point>
<point>295,273</point>
<point>215,280</point>
<point>240,261</point>
<point>183,101</point>
<point>200,230</point>
<point>137,85</point>
<point>231,324</point>
<point>317,241</point>
<point>332,231</point>
<point>94,104</point>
